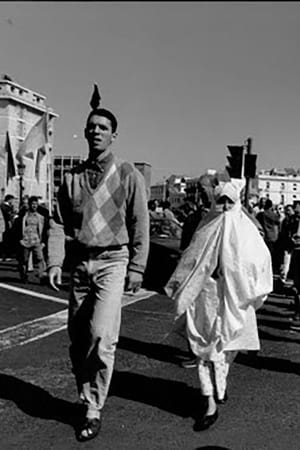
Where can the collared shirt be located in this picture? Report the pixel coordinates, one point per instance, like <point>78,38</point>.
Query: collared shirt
<point>95,168</point>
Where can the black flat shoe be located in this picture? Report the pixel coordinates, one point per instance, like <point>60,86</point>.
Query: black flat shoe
<point>224,399</point>
<point>88,430</point>
<point>206,421</point>
<point>189,363</point>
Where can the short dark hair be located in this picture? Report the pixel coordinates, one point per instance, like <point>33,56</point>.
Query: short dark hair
<point>102,112</point>
<point>166,204</point>
<point>268,204</point>
<point>32,199</point>
<point>8,197</point>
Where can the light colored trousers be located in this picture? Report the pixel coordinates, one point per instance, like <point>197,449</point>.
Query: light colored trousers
<point>97,286</point>
<point>213,375</point>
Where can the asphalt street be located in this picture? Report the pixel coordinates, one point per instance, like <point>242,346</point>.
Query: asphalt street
<point>152,402</point>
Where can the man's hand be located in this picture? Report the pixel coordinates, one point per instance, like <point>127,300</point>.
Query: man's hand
<point>55,277</point>
<point>133,281</point>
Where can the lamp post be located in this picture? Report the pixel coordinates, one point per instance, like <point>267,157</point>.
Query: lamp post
<point>21,170</point>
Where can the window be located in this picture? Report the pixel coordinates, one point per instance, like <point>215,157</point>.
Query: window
<point>20,128</point>
<point>268,185</point>
<point>294,186</point>
<point>282,185</point>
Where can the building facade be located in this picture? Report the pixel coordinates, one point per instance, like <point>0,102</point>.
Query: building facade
<point>179,189</point>
<point>145,170</point>
<point>61,165</point>
<point>281,186</point>
<point>172,189</point>
<point>20,109</point>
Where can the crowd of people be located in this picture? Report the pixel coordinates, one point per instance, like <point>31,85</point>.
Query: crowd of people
<point>25,235</point>
<point>224,275</point>
<point>278,225</point>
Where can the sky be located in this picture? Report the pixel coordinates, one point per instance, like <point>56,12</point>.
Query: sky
<point>185,79</point>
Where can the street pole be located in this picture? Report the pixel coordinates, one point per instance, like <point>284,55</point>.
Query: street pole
<point>248,147</point>
<point>21,171</point>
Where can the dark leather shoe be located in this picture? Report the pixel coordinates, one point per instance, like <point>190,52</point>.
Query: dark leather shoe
<point>224,400</point>
<point>206,421</point>
<point>88,430</point>
<point>189,363</point>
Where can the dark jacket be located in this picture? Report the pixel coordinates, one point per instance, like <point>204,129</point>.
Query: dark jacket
<point>288,231</point>
<point>270,222</point>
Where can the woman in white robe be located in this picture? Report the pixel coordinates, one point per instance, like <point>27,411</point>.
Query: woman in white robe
<point>222,278</point>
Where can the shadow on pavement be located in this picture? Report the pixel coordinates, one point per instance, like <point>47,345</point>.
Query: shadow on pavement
<point>212,447</point>
<point>37,402</point>
<point>172,396</point>
<point>283,313</point>
<point>159,352</point>
<point>268,363</point>
<point>271,337</point>
<point>278,324</point>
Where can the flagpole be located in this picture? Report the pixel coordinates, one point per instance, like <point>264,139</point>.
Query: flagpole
<point>49,167</point>
<point>32,177</point>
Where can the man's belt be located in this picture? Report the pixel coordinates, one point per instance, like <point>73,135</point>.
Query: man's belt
<point>92,252</point>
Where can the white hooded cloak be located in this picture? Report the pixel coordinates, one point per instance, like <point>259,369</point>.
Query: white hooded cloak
<point>222,278</point>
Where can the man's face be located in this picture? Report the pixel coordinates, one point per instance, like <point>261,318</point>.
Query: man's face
<point>297,209</point>
<point>99,134</point>
<point>226,204</point>
<point>289,211</point>
<point>33,206</point>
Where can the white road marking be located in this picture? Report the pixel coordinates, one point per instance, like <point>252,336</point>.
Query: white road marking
<point>33,330</point>
<point>33,293</point>
<point>39,328</point>
<point>142,294</point>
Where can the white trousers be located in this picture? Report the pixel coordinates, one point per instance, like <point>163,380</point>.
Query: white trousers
<point>213,375</point>
<point>97,287</point>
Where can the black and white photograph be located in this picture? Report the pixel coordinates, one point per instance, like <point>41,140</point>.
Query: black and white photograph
<point>150,225</point>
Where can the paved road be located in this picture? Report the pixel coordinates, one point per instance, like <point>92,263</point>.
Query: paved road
<point>152,401</point>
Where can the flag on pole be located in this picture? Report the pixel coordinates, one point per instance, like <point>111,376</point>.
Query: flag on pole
<point>35,139</point>
<point>10,168</point>
<point>96,98</point>
<point>40,155</point>
<point>3,153</point>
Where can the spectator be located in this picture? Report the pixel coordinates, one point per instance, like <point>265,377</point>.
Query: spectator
<point>292,245</point>
<point>31,229</point>
<point>9,215</point>
<point>285,244</point>
<point>259,207</point>
<point>167,212</point>
<point>270,222</point>
<point>152,207</point>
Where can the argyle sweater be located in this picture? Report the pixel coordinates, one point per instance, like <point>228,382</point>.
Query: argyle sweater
<point>113,213</point>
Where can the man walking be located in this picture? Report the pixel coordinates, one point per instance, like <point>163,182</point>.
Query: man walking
<point>32,230</point>
<point>102,206</point>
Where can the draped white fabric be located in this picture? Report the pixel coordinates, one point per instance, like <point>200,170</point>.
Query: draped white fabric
<point>222,278</point>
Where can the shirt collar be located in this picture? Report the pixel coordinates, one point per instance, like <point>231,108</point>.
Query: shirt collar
<point>101,161</point>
